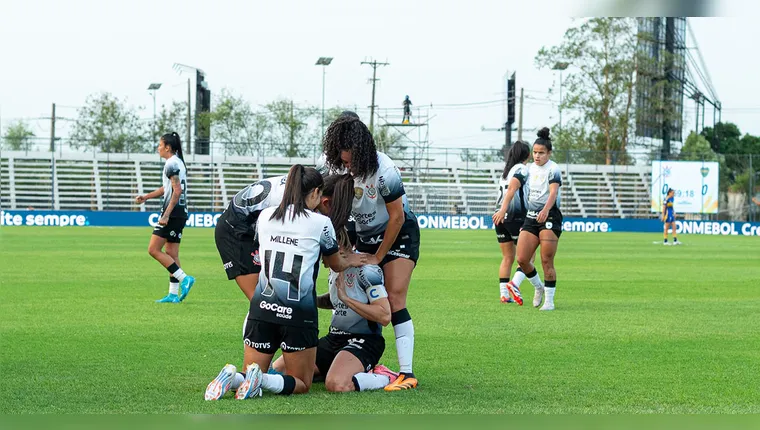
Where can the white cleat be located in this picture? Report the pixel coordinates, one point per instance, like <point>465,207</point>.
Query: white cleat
<point>538,297</point>
<point>251,386</point>
<point>221,384</point>
<point>547,307</point>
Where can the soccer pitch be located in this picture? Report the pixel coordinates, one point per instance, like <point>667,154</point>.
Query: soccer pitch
<point>639,328</point>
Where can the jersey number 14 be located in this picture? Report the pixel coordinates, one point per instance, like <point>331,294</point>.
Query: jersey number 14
<point>292,278</point>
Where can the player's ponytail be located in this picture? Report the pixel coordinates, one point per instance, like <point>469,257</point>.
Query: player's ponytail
<point>518,153</point>
<point>340,190</point>
<point>172,139</point>
<point>301,181</point>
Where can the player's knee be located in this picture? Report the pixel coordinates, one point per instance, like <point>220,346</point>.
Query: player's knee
<point>339,385</point>
<point>523,261</point>
<point>154,251</point>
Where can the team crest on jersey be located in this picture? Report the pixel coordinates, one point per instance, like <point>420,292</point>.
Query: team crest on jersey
<point>350,279</point>
<point>371,192</point>
<point>358,192</point>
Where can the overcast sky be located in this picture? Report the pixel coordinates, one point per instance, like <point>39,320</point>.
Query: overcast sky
<point>440,52</point>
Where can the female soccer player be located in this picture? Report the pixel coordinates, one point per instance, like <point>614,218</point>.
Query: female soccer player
<point>543,221</point>
<point>510,216</point>
<point>669,217</point>
<point>283,311</point>
<point>168,233</point>
<point>348,356</point>
<point>236,229</point>
<point>385,226</point>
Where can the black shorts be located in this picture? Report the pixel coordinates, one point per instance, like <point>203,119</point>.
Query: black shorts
<point>240,253</point>
<point>509,231</point>
<point>407,244</point>
<point>553,222</point>
<point>172,231</point>
<point>367,348</point>
<point>266,337</point>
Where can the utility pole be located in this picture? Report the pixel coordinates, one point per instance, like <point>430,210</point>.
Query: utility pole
<point>670,30</point>
<point>187,139</point>
<point>374,65</point>
<point>291,126</point>
<point>520,122</point>
<point>52,131</point>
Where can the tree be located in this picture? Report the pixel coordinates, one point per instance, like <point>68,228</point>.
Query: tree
<point>724,138</point>
<point>18,137</point>
<point>238,127</point>
<point>697,148</point>
<point>107,124</point>
<point>389,142</point>
<point>599,86</point>
<point>291,134</point>
<point>169,119</point>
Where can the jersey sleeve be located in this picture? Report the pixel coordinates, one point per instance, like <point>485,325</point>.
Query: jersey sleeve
<point>373,282</point>
<point>389,183</point>
<point>521,174</point>
<point>328,243</point>
<point>171,169</point>
<point>555,176</point>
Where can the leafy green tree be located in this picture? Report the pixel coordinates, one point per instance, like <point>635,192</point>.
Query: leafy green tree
<point>107,124</point>
<point>18,137</point>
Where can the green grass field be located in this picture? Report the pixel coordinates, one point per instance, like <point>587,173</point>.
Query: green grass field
<point>638,328</point>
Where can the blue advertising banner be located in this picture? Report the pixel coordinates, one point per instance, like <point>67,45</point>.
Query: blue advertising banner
<point>425,221</point>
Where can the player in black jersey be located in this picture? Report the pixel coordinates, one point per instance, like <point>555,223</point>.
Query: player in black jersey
<point>236,230</point>
<point>283,311</point>
<point>168,233</point>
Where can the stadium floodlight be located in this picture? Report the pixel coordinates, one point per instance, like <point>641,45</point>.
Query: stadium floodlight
<point>323,61</point>
<point>154,86</point>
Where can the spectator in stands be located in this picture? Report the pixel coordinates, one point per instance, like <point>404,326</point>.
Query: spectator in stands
<point>386,227</point>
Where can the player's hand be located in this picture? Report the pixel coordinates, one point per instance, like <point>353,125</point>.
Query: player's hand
<point>542,216</point>
<point>163,220</point>
<point>372,259</point>
<point>357,260</point>
<point>498,217</point>
<point>140,199</point>
<point>340,287</point>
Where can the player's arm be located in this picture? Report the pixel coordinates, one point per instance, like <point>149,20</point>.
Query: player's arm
<point>514,185</point>
<point>553,191</point>
<point>324,302</point>
<point>151,195</point>
<point>176,192</point>
<point>339,262</point>
<point>396,219</point>
<point>755,201</point>
<point>378,309</point>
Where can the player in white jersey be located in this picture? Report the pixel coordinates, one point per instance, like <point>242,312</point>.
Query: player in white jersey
<point>236,229</point>
<point>164,243</point>
<point>347,358</point>
<point>510,216</point>
<point>283,311</point>
<point>543,221</point>
<point>385,226</point>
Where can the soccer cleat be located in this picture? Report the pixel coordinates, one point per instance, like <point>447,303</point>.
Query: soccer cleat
<point>547,307</point>
<point>170,298</point>
<point>382,370</point>
<point>185,286</point>
<point>538,296</point>
<point>251,386</point>
<point>514,291</point>
<point>403,382</point>
<point>666,244</point>
<point>506,299</point>
<point>221,384</point>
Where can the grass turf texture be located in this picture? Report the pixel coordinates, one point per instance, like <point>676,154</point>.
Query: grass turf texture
<point>639,328</point>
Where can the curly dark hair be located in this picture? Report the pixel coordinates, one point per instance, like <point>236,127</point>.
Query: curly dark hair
<point>348,133</point>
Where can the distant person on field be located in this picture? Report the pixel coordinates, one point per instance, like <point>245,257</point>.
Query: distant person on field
<point>669,217</point>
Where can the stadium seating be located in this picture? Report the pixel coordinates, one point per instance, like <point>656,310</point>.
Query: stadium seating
<point>111,181</point>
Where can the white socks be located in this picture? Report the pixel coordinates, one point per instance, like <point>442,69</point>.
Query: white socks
<point>503,289</point>
<point>536,281</point>
<point>237,379</point>
<point>272,383</point>
<point>518,278</point>
<point>371,381</point>
<point>174,288</point>
<point>404,345</point>
<point>179,274</point>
